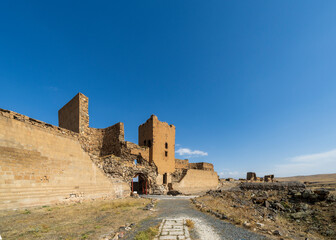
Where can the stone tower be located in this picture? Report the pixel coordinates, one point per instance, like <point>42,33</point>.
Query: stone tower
<point>74,115</point>
<point>160,138</point>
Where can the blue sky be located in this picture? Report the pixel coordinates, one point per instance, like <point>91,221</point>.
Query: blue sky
<point>249,85</point>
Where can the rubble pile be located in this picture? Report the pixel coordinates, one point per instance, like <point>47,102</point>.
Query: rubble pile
<point>287,211</point>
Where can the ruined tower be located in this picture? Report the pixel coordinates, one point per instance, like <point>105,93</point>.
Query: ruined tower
<point>160,138</point>
<point>74,115</point>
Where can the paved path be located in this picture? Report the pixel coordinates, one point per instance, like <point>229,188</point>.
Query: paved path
<point>207,227</point>
<point>173,229</point>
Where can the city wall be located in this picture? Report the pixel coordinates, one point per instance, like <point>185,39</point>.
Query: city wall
<point>197,181</point>
<point>44,164</point>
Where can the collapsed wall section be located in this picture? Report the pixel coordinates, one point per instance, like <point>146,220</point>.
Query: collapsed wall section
<point>44,164</point>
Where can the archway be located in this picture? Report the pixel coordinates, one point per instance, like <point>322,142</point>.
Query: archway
<point>140,184</point>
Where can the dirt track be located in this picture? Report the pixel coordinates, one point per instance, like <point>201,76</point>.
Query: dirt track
<point>206,226</point>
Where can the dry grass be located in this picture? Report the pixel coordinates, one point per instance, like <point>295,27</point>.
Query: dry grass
<point>87,220</point>
<point>327,181</point>
<point>148,234</point>
<point>321,178</point>
<point>190,223</point>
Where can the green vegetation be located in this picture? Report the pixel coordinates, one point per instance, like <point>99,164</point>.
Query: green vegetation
<point>148,234</point>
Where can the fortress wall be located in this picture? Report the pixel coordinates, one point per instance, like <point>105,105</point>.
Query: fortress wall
<point>113,136</point>
<point>42,164</point>
<point>68,115</point>
<point>181,163</point>
<point>202,166</point>
<point>197,181</point>
<point>135,149</point>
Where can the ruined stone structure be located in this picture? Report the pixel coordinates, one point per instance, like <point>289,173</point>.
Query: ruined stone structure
<point>159,137</point>
<point>251,176</point>
<point>269,178</point>
<point>43,164</point>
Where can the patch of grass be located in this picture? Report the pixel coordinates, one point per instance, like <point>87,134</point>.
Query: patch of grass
<point>87,234</point>
<point>190,223</point>
<point>26,211</point>
<point>148,234</point>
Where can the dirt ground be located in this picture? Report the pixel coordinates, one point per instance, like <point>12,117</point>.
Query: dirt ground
<point>277,216</point>
<point>87,220</point>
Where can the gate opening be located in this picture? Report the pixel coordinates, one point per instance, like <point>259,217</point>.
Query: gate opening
<point>140,184</point>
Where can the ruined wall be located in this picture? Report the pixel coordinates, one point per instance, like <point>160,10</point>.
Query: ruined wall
<point>162,151</point>
<point>251,176</point>
<point>202,166</point>
<point>181,163</point>
<point>68,115</point>
<point>74,115</point>
<point>197,181</point>
<point>113,136</point>
<point>136,150</point>
<point>42,164</point>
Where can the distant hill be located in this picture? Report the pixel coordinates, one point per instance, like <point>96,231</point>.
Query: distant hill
<point>319,178</point>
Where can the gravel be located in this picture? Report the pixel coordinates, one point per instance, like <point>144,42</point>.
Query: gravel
<point>206,226</point>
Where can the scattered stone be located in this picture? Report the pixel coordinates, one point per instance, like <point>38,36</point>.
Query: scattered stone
<point>260,225</point>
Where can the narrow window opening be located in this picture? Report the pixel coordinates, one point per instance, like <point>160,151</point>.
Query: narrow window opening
<point>165,178</point>
<point>166,153</point>
<point>149,143</point>
<point>166,145</point>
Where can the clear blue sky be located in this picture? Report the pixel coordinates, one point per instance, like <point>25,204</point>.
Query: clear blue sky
<point>249,85</point>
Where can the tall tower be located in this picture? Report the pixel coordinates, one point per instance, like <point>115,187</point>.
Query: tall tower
<point>160,138</point>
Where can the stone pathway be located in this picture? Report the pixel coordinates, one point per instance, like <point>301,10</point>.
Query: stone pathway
<point>173,229</point>
<point>206,227</point>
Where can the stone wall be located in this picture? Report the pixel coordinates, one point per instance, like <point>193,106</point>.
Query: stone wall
<point>202,166</point>
<point>181,163</point>
<point>112,139</point>
<point>68,115</point>
<point>75,116</point>
<point>136,150</point>
<point>44,164</point>
<point>197,181</point>
<point>162,149</point>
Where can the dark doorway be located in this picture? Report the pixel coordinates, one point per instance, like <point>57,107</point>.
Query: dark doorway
<point>140,184</point>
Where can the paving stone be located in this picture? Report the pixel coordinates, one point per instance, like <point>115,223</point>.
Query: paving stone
<point>173,229</point>
<point>167,238</point>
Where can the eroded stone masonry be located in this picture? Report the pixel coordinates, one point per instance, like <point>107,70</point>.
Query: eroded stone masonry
<point>43,164</point>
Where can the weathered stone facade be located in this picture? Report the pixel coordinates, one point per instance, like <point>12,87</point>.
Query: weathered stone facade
<point>43,164</point>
